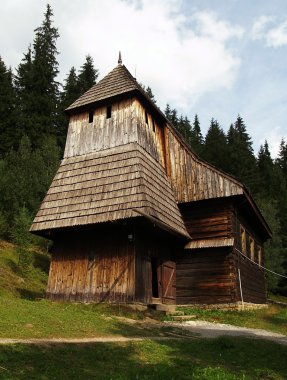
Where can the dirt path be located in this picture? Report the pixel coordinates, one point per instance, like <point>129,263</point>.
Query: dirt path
<point>206,329</point>
<point>191,330</point>
<point>113,339</point>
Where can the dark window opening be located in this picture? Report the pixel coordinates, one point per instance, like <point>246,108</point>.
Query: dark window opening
<point>91,116</point>
<point>91,259</point>
<point>146,118</point>
<point>153,125</point>
<point>154,277</point>
<point>109,112</point>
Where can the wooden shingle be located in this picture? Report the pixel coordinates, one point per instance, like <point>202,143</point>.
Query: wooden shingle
<point>118,183</point>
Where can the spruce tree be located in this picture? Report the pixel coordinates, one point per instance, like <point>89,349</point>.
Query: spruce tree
<point>37,88</point>
<point>45,71</point>
<point>266,170</point>
<point>184,127</point>
<point>8,131</point>
<point>242,162</point>
<point>215,146</point>
<point>26,175</point>
<point>87,76</point>
<point>167,111</point>
<point>68,96</point>
<point>196,138</point>
<point>25,94</point>
<point>150,94</point>
<point>282,157</point>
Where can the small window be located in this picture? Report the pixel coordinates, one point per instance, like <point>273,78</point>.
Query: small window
<point>91,116</point>
<point>251,245</point>
<point>146,117</point>
<point>243,240</point>
<point>153,125</point>
<point>259,255</point>
<point>91,259</point>
<point>109,112</point>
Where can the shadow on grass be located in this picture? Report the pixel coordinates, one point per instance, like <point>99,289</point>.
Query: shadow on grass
<point>13,266</point>
<point>223,359</point>
<point>279,320</point>
<point>41,262</point>
<point>30,294</point>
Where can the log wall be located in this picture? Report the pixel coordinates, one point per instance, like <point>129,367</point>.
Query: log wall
<point>210,275</point>
<point>92,267</point>
<point>209,219</point>
<point>205,276</point>
<point>252,281</point>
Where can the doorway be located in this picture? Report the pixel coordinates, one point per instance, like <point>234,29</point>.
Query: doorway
<point>154,277</point>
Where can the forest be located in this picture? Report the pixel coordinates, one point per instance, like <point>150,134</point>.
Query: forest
<point>33,129</point>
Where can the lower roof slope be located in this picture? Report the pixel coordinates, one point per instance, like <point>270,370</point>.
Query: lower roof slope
<point>118,183</point>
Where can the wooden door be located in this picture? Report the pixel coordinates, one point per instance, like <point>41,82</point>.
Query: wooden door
<point>168,282</point>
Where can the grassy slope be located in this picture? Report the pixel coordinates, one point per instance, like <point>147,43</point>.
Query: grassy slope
<point>23,314</point>
<point>15,283</point>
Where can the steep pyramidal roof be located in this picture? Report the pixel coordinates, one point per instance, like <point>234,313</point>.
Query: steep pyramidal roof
<point>117,82</point>
<point>113,184</point>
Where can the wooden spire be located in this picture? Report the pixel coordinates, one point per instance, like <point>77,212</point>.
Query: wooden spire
<point>120,58</point>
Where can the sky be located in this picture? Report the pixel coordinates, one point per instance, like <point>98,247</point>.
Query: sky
<point>213,58</point>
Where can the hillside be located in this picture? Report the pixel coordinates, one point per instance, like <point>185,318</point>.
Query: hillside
<point>17,283</point>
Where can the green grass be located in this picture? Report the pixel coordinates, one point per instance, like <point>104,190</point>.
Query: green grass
<point>45,319</point>
<point>24,314</point>
<point>222,359</point>
<point>14,282</point>
<point>273,319</point>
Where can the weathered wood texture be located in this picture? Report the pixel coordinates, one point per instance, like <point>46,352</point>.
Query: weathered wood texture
<point>193,179</point>
<point>159,249</point>
<point>106,186</point>
<point>220,220</point>
<point>252,281</point>
<point>208,219</point>
<point>118,82</point>
<point>240,221</point>
<point>205,276</point>
<point>103,133</point>
<point>150,133</point>
<point>92,266</point>
<point>137,118</point>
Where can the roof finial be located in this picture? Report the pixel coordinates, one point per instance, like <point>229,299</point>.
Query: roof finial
<point>120,58</point>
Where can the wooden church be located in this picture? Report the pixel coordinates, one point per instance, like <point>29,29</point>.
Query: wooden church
<point>137,217</point>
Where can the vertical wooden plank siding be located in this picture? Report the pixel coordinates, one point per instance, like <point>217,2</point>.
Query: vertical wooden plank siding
<point>159,248</point>
<point>92,267</point>
<point>84,137</point>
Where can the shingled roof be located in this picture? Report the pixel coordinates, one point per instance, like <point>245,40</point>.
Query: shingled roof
<point>117,183</point>
<point>117,82</point>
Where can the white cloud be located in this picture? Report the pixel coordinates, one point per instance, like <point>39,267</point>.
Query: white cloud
<point>277,36</point>
<point>181,58</point>
<point>259,26</point>
<point>210,26</point>
<point>274,35</point>
<point>273,137</point>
